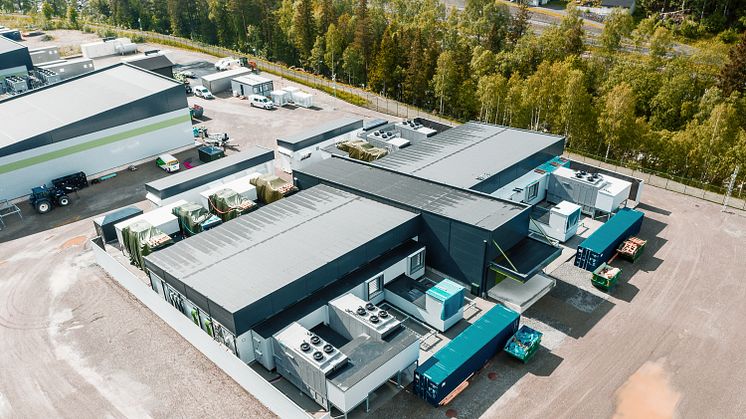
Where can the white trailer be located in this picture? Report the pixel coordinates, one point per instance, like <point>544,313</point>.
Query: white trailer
<point>105,48</point>
<point>220,82</point>
<point>251,85</point>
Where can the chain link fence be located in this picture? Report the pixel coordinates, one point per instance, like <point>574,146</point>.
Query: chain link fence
<point>705,191</point>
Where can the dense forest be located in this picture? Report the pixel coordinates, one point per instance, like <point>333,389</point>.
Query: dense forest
<point>632,94</point>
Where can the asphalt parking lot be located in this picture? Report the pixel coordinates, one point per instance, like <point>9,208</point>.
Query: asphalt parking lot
<point>667,342</point>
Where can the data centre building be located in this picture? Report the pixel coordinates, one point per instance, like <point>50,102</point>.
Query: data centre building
<point>98,122</point>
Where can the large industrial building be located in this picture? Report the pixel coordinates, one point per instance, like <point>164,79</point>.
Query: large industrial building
<point>94,123</point>
<point>476,156</point>
<point>337,287</point>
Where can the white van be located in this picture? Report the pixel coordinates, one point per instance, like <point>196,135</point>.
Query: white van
<point>203,92</point>
<point>263,102</point>
<point>168,163</point>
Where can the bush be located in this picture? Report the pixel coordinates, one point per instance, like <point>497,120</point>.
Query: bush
<point>690,29</point>
<point>86,29</point>
<point>46,38</point>
<point>728,36</point>
<point>138,39</point>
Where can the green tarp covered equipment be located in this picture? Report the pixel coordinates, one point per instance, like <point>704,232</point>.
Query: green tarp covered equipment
<point>194,218</point>
<point>270,188</point>
<point>228,204</point>
<point>362,150</point>
<point>141,239</point>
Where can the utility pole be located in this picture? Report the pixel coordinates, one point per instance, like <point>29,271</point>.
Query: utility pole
<point>730,188</point>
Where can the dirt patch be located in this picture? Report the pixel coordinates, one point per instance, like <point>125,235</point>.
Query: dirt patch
<point>75,241</point>
<point>647,394</point>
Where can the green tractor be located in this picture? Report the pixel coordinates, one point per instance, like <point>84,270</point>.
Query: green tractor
<point>43,197</point>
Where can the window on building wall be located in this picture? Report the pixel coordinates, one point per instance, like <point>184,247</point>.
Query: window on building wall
<point>533,191</point>
<point>417,262</point>
<point>374,286</point>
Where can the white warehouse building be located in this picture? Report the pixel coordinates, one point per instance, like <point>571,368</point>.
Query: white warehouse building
<point>94,123</point>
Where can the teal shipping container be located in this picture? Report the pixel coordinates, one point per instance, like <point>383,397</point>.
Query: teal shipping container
<point>600,246</point>
<point>438,376</point>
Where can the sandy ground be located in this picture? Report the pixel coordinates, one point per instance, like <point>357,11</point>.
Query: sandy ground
<point>74,344</point>
<point>667,342</point>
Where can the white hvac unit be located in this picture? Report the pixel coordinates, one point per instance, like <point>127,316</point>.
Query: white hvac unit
<point>306,360</point>
<point>559,222</point>
<point>592,191</point>
<point>241,186</point>
<point>307,346</point>
<point>530,188</point>
<point>303,99</point>
<point>280,97</point>
<point>161,218</point>
<point>414,131</point>
<point>362,318</point>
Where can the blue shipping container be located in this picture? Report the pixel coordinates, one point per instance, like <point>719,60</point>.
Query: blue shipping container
<point>600,246</point>
<point>437,377</point>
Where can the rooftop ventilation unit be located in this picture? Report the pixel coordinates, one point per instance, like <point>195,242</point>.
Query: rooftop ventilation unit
<point>357,317</point>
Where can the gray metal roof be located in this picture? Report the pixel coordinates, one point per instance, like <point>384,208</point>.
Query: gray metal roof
<point>422,195</point>
<point>465,155</point>
<point>209,172</point>
<point>366,354</point>
<point>73,100</point>
<point>253,256</point>
<point>320,133</point>
<point>7,45</point>
<point>151,62</point>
